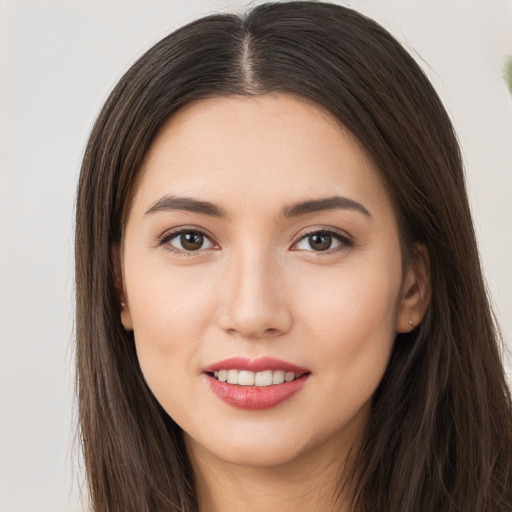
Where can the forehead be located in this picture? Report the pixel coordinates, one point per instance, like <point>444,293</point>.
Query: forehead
<point>262,150</point>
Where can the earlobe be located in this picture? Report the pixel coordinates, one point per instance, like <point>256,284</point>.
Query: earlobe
<point>416,291</point>
<point>126,318</point>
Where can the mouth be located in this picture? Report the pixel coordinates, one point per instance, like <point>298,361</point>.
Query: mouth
<point>259,379</point>
<point>263,383</point>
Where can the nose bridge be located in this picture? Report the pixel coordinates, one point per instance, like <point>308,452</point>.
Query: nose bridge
<point>254,299</point>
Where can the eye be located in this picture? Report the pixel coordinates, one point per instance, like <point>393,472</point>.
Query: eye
<point>186,241</point>
<point>323,241</point>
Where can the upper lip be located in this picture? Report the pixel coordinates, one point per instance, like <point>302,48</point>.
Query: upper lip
<point>255,365</point>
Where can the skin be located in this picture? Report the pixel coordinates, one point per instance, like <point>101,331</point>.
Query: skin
<point>258,286</point>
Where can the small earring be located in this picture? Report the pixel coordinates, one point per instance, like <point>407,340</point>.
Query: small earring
<point>412,324</point>
<point>123,305</point>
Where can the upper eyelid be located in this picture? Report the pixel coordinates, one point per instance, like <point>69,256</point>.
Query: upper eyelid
<point>185,229</point>
<point>325,230</point>
<point>164,240</point>
<point>172,233</point>
<point>330,231</point>
<point>344,240</point>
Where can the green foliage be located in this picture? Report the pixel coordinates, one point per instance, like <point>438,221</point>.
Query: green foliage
<point>508,72</point>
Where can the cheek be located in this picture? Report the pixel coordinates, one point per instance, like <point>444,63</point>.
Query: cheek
<point>350,322</point>
<point>170,309</point>
<point>359,297</point>
<point>352,315</point>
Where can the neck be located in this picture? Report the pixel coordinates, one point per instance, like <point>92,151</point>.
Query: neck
<point>309,483</point>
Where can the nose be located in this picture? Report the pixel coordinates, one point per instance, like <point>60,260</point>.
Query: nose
<point>254,299</point>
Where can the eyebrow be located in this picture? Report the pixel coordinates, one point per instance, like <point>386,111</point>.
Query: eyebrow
<point>328,203</point>
<point>188,204</point>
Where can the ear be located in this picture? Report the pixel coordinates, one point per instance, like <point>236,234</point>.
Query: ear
<point>416,290</point>
<point>126,317</point>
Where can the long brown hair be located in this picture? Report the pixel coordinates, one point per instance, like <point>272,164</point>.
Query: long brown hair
<point>440,432</point>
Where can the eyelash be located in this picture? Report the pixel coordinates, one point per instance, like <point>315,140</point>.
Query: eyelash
<point>167,237</point>
<point>345,242</point>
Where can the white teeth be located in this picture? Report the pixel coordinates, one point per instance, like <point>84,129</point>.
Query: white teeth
<point>246,378</point>
<point>278,377</point>
<point>289,376</point>
<point>232,376</point>
<point>260,379</point>
<point>263,378</point>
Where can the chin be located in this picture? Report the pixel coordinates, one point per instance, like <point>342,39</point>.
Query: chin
<point>256,456</point>
<point>271,446</point>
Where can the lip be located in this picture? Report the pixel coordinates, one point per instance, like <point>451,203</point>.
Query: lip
<point>254,365</point>
<point>255,397</point>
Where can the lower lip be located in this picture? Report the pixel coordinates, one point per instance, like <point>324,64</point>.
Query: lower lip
<point>256,397</point>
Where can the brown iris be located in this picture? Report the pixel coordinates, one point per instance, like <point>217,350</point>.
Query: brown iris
<point>191,240</point>
<point>320,241</point>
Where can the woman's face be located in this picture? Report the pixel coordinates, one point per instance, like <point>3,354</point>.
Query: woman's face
<point>261,247</point>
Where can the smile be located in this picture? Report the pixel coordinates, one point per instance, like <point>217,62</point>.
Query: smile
<point>255,384</point>
<point>260,379</point>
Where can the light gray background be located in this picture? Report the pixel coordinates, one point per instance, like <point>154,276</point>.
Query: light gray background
<point>58,61</point>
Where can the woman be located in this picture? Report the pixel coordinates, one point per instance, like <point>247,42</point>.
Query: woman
<point>279,297</point>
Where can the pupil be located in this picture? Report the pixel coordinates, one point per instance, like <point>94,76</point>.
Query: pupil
<point>320,242</point>
<point>191,241</point>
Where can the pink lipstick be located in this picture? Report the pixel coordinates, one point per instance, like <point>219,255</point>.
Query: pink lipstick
<point>255,384</point>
